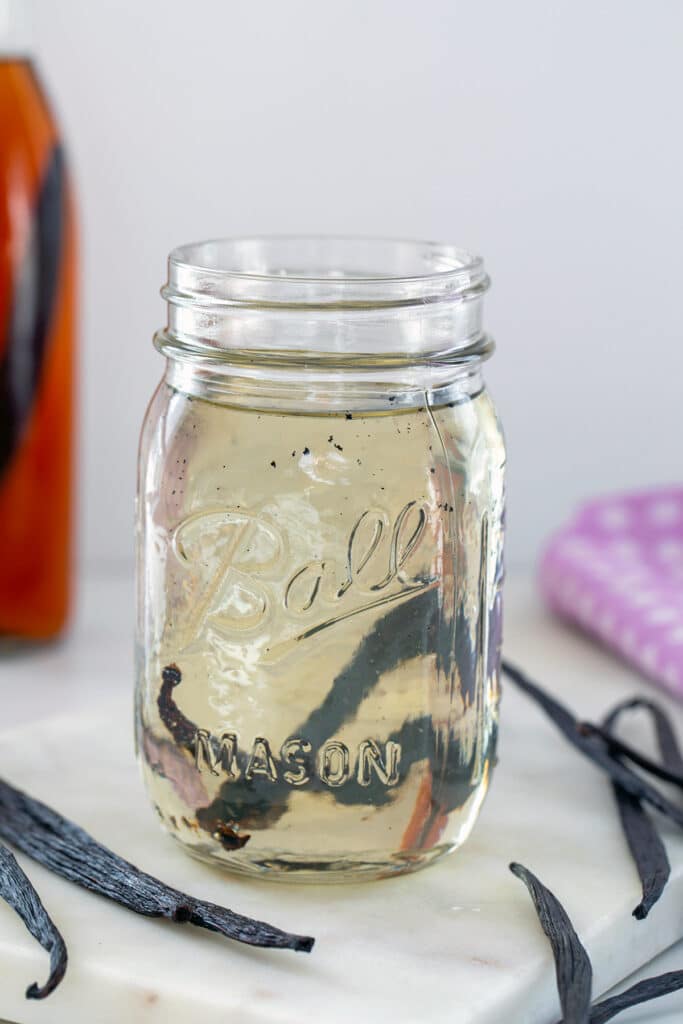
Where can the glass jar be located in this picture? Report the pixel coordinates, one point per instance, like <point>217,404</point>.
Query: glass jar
<point>320,527</point>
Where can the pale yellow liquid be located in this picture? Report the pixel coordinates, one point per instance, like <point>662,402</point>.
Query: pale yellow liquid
<point>332,582</point>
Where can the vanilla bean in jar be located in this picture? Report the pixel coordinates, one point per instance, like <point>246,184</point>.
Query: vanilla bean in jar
<point>320,528</point>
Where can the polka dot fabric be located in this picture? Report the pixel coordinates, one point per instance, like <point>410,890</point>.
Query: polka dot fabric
<point>617,572</point>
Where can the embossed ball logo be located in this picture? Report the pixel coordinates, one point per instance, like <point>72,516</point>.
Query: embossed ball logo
<point>240,575</point>
<point>248,577</point>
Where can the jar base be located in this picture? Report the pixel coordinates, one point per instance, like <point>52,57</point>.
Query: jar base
<point>275,866</point>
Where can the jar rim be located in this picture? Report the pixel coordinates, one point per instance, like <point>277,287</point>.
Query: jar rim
<point>322,301</point>
<point>321,271</point>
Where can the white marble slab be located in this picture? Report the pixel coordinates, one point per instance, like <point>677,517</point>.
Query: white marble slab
<point>457,943</point>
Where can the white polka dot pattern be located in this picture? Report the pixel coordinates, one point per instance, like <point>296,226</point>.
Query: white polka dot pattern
<point>617,571</point>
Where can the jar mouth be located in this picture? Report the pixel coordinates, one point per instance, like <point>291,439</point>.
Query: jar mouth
<point>321,272</point>
<point>316,303</point>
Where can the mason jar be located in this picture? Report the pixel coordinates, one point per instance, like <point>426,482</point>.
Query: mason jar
<point>320,536</point>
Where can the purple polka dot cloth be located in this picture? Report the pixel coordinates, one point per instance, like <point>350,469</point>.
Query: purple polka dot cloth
<point>616,570</point>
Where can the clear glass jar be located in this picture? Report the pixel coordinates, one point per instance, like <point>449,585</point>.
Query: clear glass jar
<point>320,528</point>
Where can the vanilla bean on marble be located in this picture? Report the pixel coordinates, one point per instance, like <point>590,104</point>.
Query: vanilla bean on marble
<point>646,847</point>
<point>641,992</point>
<point>572,964</point>
<point>645,844</point>
<point>670,769</point>
<point>593,745</point>
<point>619,748</point>
<point>69,851</point>
<point>573,967</point>
<point>17,890</point>
<point>667,741</point>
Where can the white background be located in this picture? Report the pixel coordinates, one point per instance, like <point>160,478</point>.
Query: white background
<point>544,135</point>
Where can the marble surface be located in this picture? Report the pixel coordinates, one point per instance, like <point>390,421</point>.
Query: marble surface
<point>457,943</point>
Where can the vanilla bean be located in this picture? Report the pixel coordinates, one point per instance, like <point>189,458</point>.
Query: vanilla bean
<point>16,890</point>
<point>572,964</point>
<point>644,842</point>
<point>646,847</point>
<point>69,851</point>
<point>622,749</point>
<point>641,992</point>
<point>593,746</point>
<point>667,741</point>
<point>603,748</point>
<point>573,967</point>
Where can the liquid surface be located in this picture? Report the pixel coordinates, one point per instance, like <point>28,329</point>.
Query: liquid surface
<point>319,631</point>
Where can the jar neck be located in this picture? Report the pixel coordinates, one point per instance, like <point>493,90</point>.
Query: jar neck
<point>408,331</point>
<point>324,322</point>
<point>316,392</point>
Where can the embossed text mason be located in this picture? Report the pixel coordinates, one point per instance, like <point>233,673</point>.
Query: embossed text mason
<point>320,525</point>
